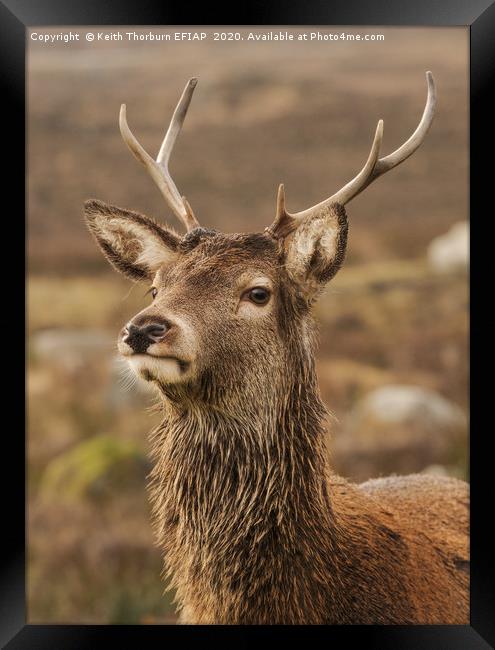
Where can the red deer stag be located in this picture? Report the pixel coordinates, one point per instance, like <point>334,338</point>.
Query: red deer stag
<point>253,525</point>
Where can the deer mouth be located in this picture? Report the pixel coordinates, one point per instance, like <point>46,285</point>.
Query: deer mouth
<point>182,363</point>
<point>151,367</point>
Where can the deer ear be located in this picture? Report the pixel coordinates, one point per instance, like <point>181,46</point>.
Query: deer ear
<point>135,245</point>
<point>315,250</point>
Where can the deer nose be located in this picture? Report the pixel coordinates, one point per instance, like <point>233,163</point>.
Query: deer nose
<point>140,337</point>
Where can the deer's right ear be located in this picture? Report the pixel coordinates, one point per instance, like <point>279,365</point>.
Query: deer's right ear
<point>135,245</point>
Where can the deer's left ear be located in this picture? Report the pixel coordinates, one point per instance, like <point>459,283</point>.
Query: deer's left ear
<point>315,248</point>
<point>133,244</point>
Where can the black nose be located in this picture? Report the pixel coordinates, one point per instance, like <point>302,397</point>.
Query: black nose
<point>140,337</point>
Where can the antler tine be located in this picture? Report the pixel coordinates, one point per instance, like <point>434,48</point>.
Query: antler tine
<point>374,167</point>
<point>176,123</point>
<point>158,169</point>
<point>285,222</point>
<point>359,182</point>
<point>409,147</point>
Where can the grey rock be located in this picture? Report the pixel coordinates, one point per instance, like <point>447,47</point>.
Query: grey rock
<point>449,253</point>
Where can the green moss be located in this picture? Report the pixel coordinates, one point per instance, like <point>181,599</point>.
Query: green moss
<point>94,468</point>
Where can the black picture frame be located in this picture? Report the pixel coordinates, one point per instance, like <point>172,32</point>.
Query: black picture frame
<point>18,15</point>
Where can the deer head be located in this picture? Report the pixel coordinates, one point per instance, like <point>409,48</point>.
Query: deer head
<point>229,312</point>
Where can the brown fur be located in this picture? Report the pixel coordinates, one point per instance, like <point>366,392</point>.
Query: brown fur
<point>253,525</point>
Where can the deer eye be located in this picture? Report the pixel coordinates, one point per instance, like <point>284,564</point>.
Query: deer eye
<point>258,295</point>
<point>153,292</point>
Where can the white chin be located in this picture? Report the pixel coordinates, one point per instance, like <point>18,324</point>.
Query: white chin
<point>167,371</point>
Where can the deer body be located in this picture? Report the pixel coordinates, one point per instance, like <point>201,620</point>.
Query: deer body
<point>253,525</point>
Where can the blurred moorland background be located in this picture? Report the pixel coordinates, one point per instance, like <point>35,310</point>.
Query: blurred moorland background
<point>393,324</point>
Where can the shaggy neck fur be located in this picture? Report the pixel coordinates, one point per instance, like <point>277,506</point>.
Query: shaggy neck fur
<point>240,500</point>
<point>254,528</point>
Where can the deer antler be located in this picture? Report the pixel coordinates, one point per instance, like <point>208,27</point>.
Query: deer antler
<point>158,169</point>
<point>285,222</point>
